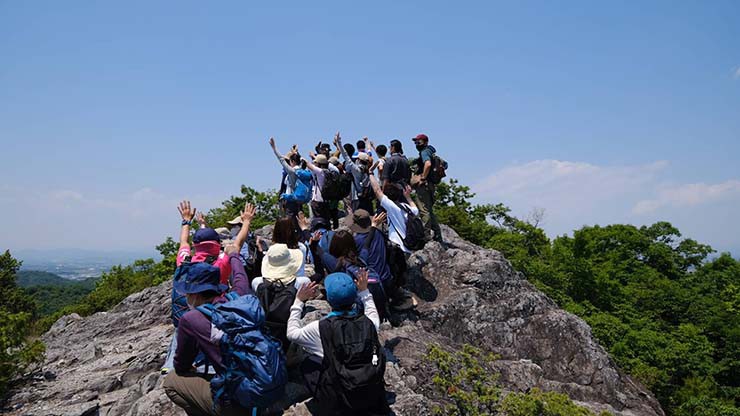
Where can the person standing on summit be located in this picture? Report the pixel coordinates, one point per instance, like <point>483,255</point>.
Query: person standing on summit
<point>427,186</point>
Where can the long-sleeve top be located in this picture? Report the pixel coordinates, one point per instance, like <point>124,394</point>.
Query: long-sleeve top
<point>195,332</point>
<point>290,175</point>
<point>309,336</point>
<point>360,178</point>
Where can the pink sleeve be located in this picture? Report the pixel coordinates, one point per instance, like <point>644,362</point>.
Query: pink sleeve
<point>182,254</point>
<point>223,264</point>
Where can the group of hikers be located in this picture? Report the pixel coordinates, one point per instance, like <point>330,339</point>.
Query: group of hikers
<point>344,235</point>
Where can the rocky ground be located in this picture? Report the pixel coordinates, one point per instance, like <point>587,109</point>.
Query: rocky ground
<point>108,364</point>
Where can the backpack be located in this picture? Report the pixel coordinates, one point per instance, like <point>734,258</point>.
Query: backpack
<point>415,233</point>
<point>255,373</point>
<point>276,299</point>
<point>179,301</point>
<point>366,192</point>
<point>352,380</point>
<point>439,169</point>
<point>337,186</point>
<point>303,191</point>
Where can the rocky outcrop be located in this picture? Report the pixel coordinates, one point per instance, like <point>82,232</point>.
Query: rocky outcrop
<point>108,363</point>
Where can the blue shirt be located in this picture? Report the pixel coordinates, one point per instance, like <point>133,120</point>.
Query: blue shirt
<point>374,255</point>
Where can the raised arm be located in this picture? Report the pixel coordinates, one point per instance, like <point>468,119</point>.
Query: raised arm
<point>201,220</point>
<point>370,145</point>
<point>338,144</point>
<point>376,187</point>
<point>313,168</point>
<point>280,157</point>
<point>247,215</point>
<point>187,215</point>
<point>407,194</point>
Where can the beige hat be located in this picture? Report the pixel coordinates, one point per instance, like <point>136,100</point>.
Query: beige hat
<point>364,157</point>
<point>334,160</point>
<point>223,232</point>
<point>235,221</point>
<point>321,160</point>
<point>281,263</point>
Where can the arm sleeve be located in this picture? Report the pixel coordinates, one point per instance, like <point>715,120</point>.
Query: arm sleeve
<point>182,254</point>
<point>187,348</point>
<point>282,161</point>
<point>240,284</point>
<point>370,310</point>
<point>307,337</point>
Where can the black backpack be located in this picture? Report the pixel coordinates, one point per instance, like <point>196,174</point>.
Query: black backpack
<point>367,191</point>
<point>352,380</point>
<point>276,299</point>
<point>336,185</point>
<point>415,233</point>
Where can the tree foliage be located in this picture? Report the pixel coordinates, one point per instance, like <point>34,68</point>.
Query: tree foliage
<point>17,310</point>
<point>666,314</point>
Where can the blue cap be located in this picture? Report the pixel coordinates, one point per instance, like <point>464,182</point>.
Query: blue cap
<point>206,234</point>
<point>340,290</point>
<point>201,277</point>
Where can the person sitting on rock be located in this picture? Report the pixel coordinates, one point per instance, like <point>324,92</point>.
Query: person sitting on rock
<point>195,334</point>
<point>345,341</point>
<point>344,256</point>
<point>277,287</point>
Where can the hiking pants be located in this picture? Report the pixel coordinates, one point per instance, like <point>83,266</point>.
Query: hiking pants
<point>193,394</point>
<point>425,203</point>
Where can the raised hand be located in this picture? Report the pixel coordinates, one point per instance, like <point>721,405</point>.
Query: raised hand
<point>316,237</point>
<point>201,220</point>
<point>361,281</point>
<point>186,212</point>
<point>303,222</point>
<point>231,249</point>
<point>379,219</point>
<point>307,291</point>
<point>407,191</point>
<point>337,140</point>
<point>249,212</point>
<point>272,142</point>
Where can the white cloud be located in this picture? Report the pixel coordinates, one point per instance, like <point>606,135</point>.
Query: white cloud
<point>575,193</point>
<point>689,195</point>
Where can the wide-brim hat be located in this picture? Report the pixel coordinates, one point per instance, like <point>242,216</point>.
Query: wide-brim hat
<point>361,222</point>
<point>281,263</point>
<point>321,160</point>
<point>201,277</point>
<point>236,221</point>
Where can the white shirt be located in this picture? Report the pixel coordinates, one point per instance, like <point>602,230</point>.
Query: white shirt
<point>397,221</point>
<point>319,179</point>
<point>309,336</point>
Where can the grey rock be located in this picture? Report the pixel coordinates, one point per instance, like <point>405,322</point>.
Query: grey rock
<point>108,363</point>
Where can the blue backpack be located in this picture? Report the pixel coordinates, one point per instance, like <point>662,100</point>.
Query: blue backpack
<point>255,373</point>
<point>303,191</point>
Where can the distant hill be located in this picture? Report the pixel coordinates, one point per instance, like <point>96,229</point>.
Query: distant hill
<point>30,278</point>
<point>53,292</point>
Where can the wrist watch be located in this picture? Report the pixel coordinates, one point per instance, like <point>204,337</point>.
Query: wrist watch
<point>186,222</point>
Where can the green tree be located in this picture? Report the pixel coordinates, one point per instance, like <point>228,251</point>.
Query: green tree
<point>17,311</point>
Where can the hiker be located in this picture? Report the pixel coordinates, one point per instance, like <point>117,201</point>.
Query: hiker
<point>348,332</point>
<point>233,391</point>
<point>334,204</point>
<point>285,232</point>
<point>297,189</point>
<point>277,287</point>
<point>207,250</point>
<point>321,236</point>
<point>323,172</point>
<point>381,151</point>
<point>362,148</point>
<point>426,187</point>
<point>373,251</point>
<point>400,208</point>
<point>396,169</point>
<point>362,197</point>
<point>344,256</point>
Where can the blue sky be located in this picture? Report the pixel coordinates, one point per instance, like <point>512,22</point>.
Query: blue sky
<point>598,113</point>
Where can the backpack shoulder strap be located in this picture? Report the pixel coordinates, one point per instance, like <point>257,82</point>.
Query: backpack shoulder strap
<point>369,238</point>
<point>206,310</point>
